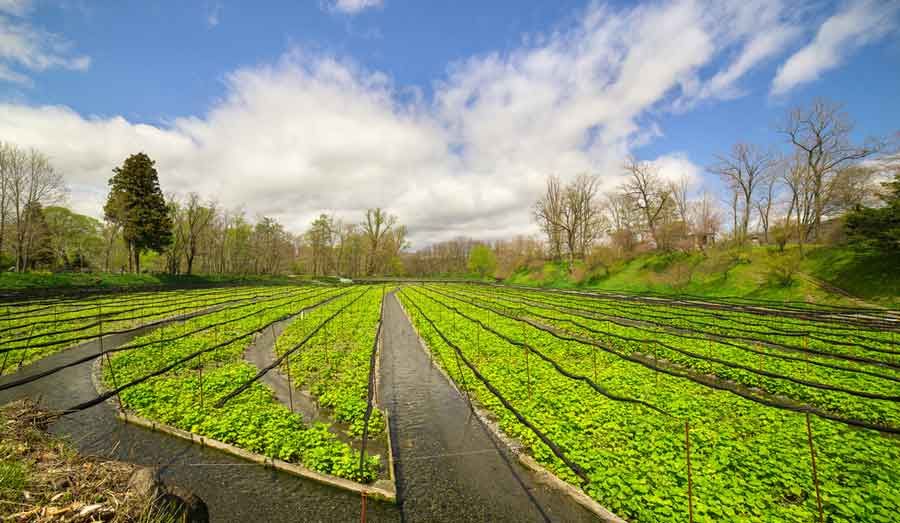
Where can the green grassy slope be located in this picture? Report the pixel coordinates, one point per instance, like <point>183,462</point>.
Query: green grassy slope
<point>745,273</point>
<point>27,281</point>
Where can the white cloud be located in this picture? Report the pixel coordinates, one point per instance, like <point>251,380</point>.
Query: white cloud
<point>15,7</point>
<point>860,23</point>
<point>674,166</point>
<point>353,7</point>
<point>32,49</point>
<point>312,133</point>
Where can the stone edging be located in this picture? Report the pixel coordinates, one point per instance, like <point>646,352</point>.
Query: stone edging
<point>578,495</point>
<point>388,492</point>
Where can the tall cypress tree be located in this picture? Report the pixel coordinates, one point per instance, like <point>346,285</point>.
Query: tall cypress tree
<point>136,203</point>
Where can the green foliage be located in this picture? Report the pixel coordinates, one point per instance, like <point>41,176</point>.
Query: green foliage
<point>254,420</point>
<point>750,462</point>
<point>136,203</point>
<point>878,228</point>
<point>783,268</point>
<point>482,261</point>
<point>334,364</point>
<point>77,241</point>
<point>12,478</point>
<point>65,324</point>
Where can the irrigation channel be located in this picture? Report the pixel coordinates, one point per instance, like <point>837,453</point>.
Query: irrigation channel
<point>449,465</point>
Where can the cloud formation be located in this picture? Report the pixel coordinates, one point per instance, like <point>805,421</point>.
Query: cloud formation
<point>858,24</point>
<point>313,133</point>
<point>353,7</point>
<point>25,49</point>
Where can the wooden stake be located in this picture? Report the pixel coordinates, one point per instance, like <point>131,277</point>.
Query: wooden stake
<point>687,447</point>
<point>815,473</point>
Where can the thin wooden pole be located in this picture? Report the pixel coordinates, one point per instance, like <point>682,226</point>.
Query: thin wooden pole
<point>687,447</point>
<point>815,473</point>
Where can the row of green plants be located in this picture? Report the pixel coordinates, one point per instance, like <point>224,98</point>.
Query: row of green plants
<point>187,396</point>
<point>749,462</point>
<point>826,333</point>
<point>695,354</point>
<point>46,336</point>
<point>333,365</point>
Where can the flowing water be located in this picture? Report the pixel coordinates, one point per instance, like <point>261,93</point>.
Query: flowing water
<point>449,466</point>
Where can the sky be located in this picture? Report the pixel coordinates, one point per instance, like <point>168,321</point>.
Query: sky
<point>449,114</point>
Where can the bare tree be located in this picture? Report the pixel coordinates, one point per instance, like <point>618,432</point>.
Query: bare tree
<point>548,213</point>
<point>645,188</point>
<point>706,214</point>
<point>764,203</point>
<point>32,180</point>
<point>743,169</point>
<point>821,134</point>
<point>377,225</point>
<point>679,188</point>
<point>197,219</point>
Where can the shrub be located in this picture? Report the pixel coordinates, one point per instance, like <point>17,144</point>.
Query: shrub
<point>782,269</point>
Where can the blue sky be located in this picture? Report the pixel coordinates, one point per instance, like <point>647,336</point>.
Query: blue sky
<point>448,113</point>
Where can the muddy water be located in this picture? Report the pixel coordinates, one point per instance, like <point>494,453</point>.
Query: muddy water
<point>234,490</point>
<point>449,466</point>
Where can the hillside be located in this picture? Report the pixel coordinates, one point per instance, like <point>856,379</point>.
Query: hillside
<point>835,275</point>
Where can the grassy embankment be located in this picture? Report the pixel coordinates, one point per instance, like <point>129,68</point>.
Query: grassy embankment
<point>819,276</point>
<point>28,281</point>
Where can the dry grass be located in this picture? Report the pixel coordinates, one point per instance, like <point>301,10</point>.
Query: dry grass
<point>42,479</point>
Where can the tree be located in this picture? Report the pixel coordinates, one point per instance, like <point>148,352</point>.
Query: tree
<point>26,178</point>
<point>76,239</point>
<point>548,213</point>
<point>37,243</point>
<point>570,215</point>
<point>878,227</point>
<point>376,227</point>
<point>649,195</point>
<point>320,238</point>
<point>821,135</point>
<point>137,205</point>
<point>482,261</point>
<point>197,219</point>
<point>744,169</point>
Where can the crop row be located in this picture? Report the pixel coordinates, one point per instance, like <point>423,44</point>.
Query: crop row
<point>334,363</point>
<point>43,339</point>
<point>202,369</point>
<point>750,462</point>
<point>843,391</point>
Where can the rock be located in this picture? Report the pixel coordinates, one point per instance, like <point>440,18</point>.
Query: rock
<point>145,483</point>
<point>184,505</point>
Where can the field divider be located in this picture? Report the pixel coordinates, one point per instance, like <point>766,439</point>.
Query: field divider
<point>100,317</point>
<point>262,372</point>
<point>716,383</point>
<point>603,316</point>
<point>140,300</point>
<point>760,372</point>
<point>578,377</point>
<point>122,348</point>
<point>128,330</point>
<point>557,451</point>
<point>159,372</point>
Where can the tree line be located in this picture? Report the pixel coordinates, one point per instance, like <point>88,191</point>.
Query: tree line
<point>771,196</point>
<point>145,229</point>
<point>804,192</point>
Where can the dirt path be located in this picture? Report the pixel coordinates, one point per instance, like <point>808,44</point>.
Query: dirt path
<point>449,466</point>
